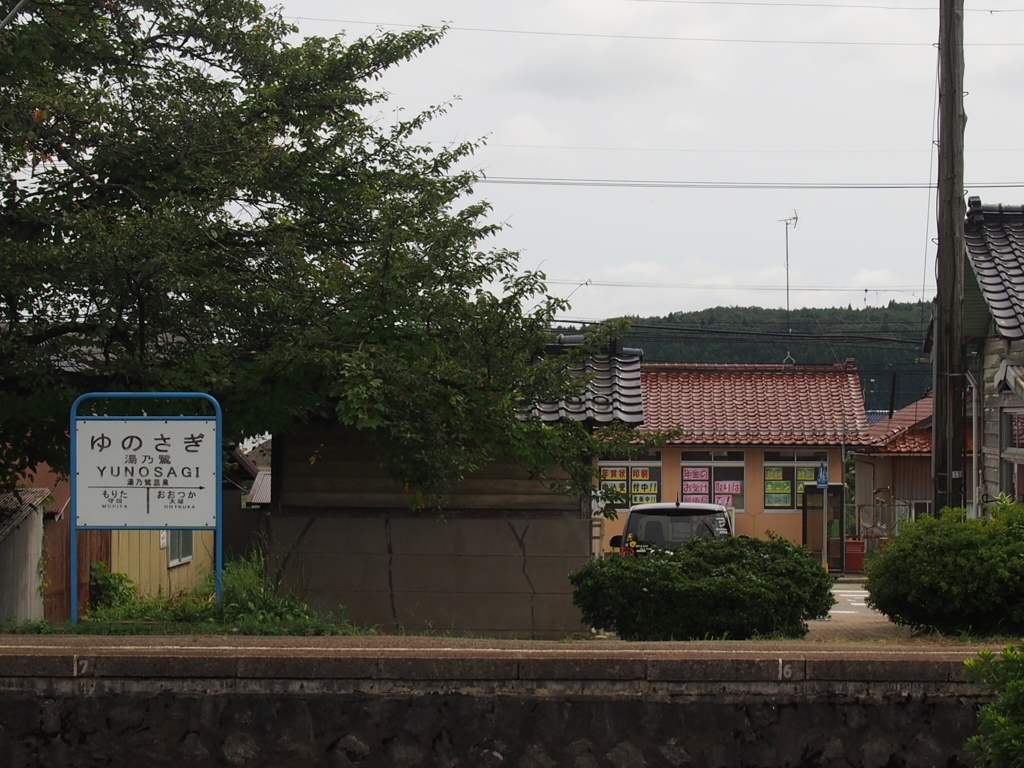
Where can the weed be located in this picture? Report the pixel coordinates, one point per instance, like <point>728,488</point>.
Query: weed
<point>253,604</point>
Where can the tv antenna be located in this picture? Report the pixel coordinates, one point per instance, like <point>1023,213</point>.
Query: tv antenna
<point>790,222</point>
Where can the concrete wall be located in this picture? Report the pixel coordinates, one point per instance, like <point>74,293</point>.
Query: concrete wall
<point>482,707</point>
<point>493,561</point>
<point>476,574</point>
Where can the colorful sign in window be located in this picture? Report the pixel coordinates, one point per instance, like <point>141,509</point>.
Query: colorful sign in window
<point>631,483</point>
<point>784,485</point>
<point>715,483</point>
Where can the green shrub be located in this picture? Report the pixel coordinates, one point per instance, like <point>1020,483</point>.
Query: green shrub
<point>251,605</point>
<point>726,588</point>
<point>108,589</point>
<point>1000,741</point>
<point>953,575</point>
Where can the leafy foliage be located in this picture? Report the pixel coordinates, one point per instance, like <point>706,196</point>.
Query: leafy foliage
<point>1000,741</point>
<point>252,604</point>
<point>727,588</point>
<point>194,203</point>
<point>953,575</point>
<point>109,590</point>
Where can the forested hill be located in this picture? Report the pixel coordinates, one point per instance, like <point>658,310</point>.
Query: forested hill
<point>884,341</point>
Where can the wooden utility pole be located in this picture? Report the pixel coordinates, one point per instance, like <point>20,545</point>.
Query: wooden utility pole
<point>948,353</point>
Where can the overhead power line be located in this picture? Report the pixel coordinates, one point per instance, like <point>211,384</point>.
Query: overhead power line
<point>932,8</point>
<point>741,151</point>
<point>649,38</point>
<point>655,184</point>
<point>722,287</point>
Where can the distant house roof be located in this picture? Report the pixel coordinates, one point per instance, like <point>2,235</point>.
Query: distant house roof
<point>994,236</point>
<point>260,491</point>
<point>59,487</point>
<point>14,508</point>
<point>260,455</point>
<point>756,404</point>
<point>907,433</point>
<point>614,393</point>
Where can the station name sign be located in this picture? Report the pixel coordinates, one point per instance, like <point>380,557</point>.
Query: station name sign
<point>146,473</point>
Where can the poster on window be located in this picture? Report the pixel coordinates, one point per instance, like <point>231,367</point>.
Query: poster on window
<point>778,500</point>
<point>615,486</point>
<point>644,487</point>
<point>729,486</point>
<point>631,484</point>
<point>724,500</point>
<point>696,473</point>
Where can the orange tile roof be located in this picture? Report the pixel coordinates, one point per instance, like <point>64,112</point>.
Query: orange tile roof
<point>909,431</point>
<point>916,413</point>
<point>756,404</point>
<point>912,442</point>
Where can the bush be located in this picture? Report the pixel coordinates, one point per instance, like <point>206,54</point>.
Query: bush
<point>952,575</point>
<point>726,588</point>
<point>1000,741</point>
<point>108,589</point>
<point>251,604</point>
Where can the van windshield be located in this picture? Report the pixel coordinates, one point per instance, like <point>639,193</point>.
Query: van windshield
<point>667,529</point>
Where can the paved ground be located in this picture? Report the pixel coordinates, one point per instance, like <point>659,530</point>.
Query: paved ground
<point>852,621</point>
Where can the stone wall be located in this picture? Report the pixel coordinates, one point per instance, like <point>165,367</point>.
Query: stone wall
<point>477,705</point>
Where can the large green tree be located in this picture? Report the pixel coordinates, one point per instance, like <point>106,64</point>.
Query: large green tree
<point>195,203</point>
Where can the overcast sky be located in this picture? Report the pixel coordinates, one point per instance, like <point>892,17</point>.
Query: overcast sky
<point>691,94</point>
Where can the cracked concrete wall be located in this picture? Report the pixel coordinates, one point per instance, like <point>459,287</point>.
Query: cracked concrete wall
<point>492,575</point>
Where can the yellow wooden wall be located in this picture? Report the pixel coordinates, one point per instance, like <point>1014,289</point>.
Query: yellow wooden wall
<point>138,554</point>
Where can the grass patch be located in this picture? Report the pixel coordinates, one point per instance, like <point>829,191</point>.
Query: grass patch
<point>252,605</point>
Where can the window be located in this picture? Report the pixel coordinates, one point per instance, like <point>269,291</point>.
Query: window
<point>179,548</point>
<point>713,477</point>
<point>1011,470</point>
<point>636,481</point>
<point>785,475</point>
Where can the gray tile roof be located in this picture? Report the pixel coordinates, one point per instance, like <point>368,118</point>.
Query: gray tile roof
<point>15,507</point>
<point>614,392</point>
<point>994,236</point>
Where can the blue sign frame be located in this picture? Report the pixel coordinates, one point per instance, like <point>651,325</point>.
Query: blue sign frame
<point>218,528</point>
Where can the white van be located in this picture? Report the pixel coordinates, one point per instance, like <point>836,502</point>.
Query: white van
<point>667,525</point>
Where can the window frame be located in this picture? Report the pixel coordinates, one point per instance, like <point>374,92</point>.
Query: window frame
<point>714,461</point>
<point>175,545</point>
<point>653,460</point>
<point>801,459</point>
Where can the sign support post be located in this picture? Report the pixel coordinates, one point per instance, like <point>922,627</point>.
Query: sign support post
<point>146,472</point>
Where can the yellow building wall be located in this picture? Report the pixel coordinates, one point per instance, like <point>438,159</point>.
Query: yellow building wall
<point>138,555</point>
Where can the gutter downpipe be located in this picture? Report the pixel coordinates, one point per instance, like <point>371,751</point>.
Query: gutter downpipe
<point>975,462</point>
